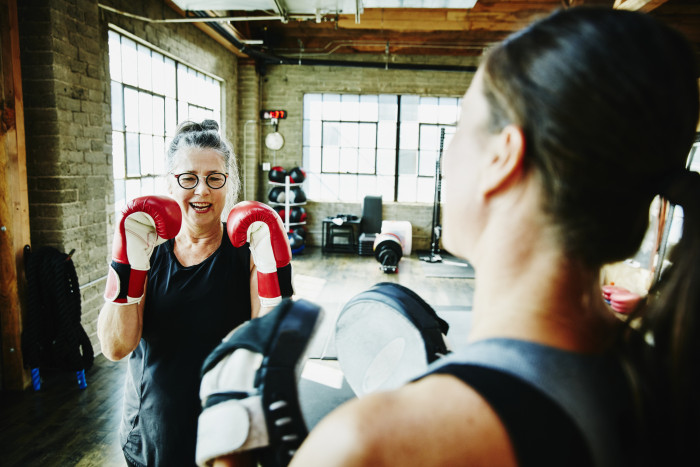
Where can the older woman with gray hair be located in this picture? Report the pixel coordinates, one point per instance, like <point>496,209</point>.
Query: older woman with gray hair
<point>176,287</point>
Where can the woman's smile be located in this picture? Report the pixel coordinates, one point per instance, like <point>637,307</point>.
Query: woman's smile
<point>201,208</point>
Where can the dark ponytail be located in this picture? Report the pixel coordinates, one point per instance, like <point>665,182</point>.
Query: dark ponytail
<point>608,103</point>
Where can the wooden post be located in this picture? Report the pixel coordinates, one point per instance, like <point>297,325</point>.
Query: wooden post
<point>14,203</point>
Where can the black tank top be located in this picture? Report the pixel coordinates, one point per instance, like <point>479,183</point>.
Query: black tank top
<point>560,408</point>
<point>188,312</point>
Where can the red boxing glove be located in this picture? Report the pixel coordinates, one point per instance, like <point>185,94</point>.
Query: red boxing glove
<point>146,222</point>
<point>260,226</point>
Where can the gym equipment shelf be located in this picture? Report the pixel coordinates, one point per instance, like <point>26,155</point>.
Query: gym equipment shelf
<point>287,205</point>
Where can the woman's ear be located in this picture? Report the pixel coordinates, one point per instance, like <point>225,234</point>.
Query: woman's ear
<point>506,163</point>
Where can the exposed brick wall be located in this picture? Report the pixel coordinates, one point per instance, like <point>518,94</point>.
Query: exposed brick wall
<point>68,136</point>
<point>249,129</point>
<point>65,70</point>
<point>284,87</point>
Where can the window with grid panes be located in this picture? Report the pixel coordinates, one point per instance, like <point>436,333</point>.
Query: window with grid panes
<point>151,94</point>
<point>356,145</point>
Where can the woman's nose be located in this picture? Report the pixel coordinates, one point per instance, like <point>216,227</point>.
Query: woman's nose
<point>201,187</point>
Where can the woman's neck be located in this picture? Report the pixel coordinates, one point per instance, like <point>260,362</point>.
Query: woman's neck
<point>192,246</point>
<point>528,288</point>
<point>193,234</point>
<point>551,304</point>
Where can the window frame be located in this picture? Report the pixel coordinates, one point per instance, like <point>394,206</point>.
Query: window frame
<point>139,147</point>
<point>322,177</point>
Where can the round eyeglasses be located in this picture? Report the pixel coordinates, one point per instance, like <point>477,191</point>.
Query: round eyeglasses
<point>189,181</point>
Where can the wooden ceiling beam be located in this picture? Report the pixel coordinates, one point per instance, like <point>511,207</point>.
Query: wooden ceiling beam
<point>441,20</point>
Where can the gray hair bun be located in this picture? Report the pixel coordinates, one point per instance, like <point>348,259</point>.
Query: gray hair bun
<point>210,125</point>
<point>190,127</point>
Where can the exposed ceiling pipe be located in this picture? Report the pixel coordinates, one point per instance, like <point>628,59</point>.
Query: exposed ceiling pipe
<point>208,19</point>
<point>332,46</point>
<point>270,59</point>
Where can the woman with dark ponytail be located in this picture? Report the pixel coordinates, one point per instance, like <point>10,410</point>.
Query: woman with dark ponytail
<point>568,131</point>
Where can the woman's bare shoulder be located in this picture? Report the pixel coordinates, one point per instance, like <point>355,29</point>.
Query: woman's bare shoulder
<point>435,421</point>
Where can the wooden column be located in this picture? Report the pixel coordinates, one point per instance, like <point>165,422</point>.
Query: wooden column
<point>14,204</point>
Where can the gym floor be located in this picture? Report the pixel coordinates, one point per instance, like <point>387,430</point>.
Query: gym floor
<point>62,425</point>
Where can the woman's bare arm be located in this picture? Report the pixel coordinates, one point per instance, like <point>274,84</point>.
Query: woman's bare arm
<point>436,421</point>
<point>119,328</point>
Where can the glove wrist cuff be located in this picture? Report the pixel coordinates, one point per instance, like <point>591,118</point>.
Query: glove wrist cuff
<point>125,284</point>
